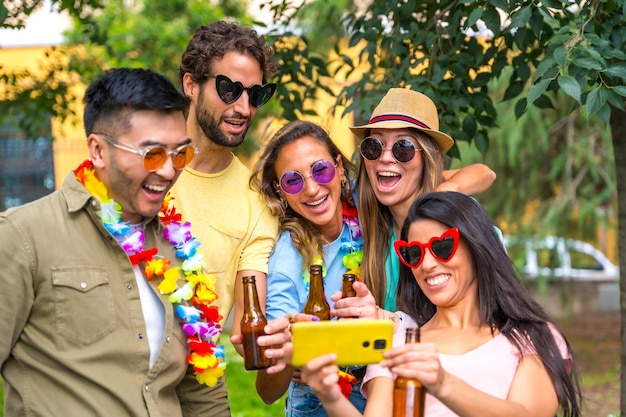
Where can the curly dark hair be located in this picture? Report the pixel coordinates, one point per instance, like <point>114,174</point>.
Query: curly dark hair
<point>211,42</point>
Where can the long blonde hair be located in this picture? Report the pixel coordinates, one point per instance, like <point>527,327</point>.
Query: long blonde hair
<point>376,219</point>
<point>306,236</point>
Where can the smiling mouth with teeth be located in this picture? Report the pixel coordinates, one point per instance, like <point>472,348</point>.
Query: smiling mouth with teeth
<point>155,188</point>
<point>387,178</point>
<point>317,202</point>
<point>438,280</point>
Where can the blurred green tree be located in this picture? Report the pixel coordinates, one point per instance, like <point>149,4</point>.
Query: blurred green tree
<point>561,55</point>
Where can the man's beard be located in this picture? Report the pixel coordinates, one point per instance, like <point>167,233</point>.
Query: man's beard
<point>211,127</point>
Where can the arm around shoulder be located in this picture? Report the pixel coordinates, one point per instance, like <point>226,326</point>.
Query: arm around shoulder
<point>471,179</point>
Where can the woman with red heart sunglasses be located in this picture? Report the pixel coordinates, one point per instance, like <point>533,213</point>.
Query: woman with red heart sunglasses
<point>487,347</point>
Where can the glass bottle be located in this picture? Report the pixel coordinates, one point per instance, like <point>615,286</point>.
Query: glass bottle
<point>409,395</point>
<point>346,287</point>
<point>252,324</point>
<point>316,304</point>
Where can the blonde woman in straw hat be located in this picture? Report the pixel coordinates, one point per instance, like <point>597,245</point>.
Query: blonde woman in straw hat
<point>402,157</point>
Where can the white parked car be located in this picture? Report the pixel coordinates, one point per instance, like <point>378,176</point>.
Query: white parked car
<point>561,258</point>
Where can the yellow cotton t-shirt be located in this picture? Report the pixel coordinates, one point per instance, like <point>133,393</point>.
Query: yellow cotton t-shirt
<point>235,227</point>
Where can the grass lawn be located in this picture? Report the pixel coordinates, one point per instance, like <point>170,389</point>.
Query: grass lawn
<point>244,401</point>
<point>595,340</point>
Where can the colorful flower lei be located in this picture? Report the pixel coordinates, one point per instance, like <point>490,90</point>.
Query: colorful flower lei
<point>353,259</point>
<point>194,300</point>
<point>354,245</point>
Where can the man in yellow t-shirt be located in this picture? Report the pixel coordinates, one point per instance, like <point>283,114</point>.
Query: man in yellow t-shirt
<point>224,73</point>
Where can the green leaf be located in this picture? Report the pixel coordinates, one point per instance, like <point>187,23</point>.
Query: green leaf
<point>620,89</point>
<point>482,142</point>
<point>520,107</point>
<point>491,17</point>
<point>469,126</point>
<point>520,37</point>
<point>595,54</point>
<point>587,63</point>
<point>537,90</point>
<point>523,71</point>
<point>543,67</point>
<point>570,86</point>
<point>560,54</point>
<point>537,21</point>
<point>482,79</point>
<point>320,65</point>
<point>544,102</point>
<point>513,90</point>
<point>521,17</point>
<point>501,4</point>
<point>453,152</point>
<point>474,16</point>
<point>604,113</point>
<point>596,99</point>
<point>618,70</point>
<point>552,3</point>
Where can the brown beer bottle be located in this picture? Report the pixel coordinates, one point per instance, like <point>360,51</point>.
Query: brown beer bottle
<point>346,287</point>
<point>409,395</point>
<point>252,324</point>
<point>316,304</point>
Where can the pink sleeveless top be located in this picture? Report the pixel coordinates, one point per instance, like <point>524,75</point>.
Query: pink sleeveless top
<point>490,367</point>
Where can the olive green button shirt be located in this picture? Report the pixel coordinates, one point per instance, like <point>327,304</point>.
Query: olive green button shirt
<point>72,335</point>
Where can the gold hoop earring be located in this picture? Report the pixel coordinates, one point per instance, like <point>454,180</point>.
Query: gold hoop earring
<point>283,202</point>
<point>344,182</point>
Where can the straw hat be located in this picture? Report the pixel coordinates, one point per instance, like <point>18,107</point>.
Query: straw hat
<point>401,108</point>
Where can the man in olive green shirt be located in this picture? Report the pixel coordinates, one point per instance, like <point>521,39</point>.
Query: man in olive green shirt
<point>82,332</point>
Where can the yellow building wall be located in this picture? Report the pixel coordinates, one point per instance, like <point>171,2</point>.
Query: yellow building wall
<point>69,145</point>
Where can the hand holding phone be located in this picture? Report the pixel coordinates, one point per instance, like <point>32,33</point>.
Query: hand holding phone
<point>355,342</point>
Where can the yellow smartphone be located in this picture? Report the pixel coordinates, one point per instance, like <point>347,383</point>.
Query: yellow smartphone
<point>355,342</point>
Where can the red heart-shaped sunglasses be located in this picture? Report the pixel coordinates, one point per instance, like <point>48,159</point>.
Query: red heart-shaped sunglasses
<point>442,247</point>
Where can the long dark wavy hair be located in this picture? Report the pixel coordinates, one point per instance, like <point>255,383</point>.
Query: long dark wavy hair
<point>503,302</point>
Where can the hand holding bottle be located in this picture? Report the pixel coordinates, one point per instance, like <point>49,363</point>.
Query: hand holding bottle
<point>277,340</point>
<point>276,343</point>
<point>416,360</point>
<point>363,305</point>
<point>409,395</point>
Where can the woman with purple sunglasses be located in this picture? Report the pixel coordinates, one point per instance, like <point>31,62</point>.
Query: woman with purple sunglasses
<point>306,182</point>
